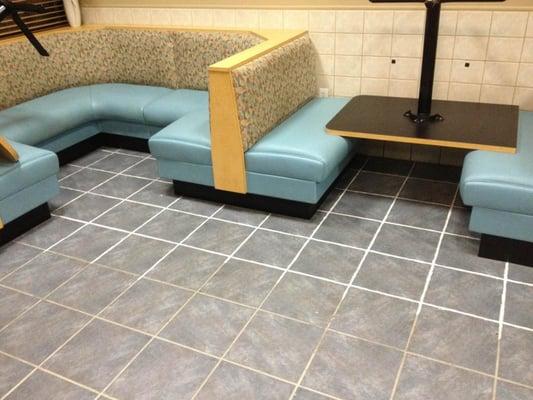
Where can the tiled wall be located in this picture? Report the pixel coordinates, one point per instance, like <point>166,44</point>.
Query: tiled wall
<point>482,56</point>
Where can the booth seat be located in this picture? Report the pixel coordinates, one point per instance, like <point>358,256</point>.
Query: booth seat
<point>499,187</point>
<point>296,161</point>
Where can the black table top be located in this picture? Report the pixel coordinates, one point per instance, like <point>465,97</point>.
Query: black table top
<point>475,126</point>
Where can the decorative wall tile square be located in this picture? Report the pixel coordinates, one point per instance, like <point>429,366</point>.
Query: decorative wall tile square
<point>295,19</point>
<point>322,21</point>
<point>349,21</point>
<point>407,45</point>
<point>474,23</point>
<point>505,49</point>
<point>506,23</point>
<point>409,22</point>
<point>378,21</point>
<point>348,43</point>
<point>377,45</point>
<point>405,68</point>
<point>470,47</point>
<point>270,19</point>
<point>473,73</point>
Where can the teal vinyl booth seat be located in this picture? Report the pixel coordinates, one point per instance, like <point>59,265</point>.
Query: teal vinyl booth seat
<point>499,187</point>
<point>296,162</point>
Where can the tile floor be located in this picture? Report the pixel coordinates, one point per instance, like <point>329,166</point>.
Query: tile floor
<point>131,293</point>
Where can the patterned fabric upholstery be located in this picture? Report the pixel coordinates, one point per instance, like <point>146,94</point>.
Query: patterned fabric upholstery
<point>173,59</point>
<point>272,87</point>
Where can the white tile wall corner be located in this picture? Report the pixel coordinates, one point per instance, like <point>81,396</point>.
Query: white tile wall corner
<point>379,51</point>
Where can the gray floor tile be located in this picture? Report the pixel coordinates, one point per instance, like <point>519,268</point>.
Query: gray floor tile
<point>85,179</point>
<point>296,226</point>
<point>430,191</point>
<point>13,304</point>
<point>91,158</point>
<point>353,369</point>
<point>347,230</point>
<point>147,305</point>
<point>43,274</point>
<point>330,200</point>
<point>89,242</point>
<point>271,248</point>
<point>462,253</point>
<point>276,345</point>
<point>64,196</point>
<point>11,373</point>
<point>116,163</point>
<point>92,289</point>
<point>67,169</point>
<point>424,379</point>
<point>307,299</point>
<point>520,273</point>
<point>329,261</point>
<point>121,186</point>
<point>136,254</point>
<point>50,232</point>
<point>171,225</point>
<point>241,215</point>
<point>219,236</point>
<point>96,354</point>
<point>43,386</point>
<point>388,166</point>
<point>230,382</point>
<point>157,193</point>
<point>508,391</point>
<point>128,216</point>
<point>163,371</point>
<point>377,183</point>
<point>393,275</point>
<point>465,292</point>
<point>207,324</point>
<point>24,338</point>
<point>304,394</point>
<point>428,216</point>
<point>516,355</point>
<point>519,305</point>
<point>457,339</point>
<point>187,267</point>
<point>407,242</point>
<point>363,205</point>
<point>242,282</point>
<point>196,206</point>
<point>375,317</point>
<point>13,255</point>
<point>144,169</point>
<point>87,207</point>
<point>345,178</point>
<point>459,221</point>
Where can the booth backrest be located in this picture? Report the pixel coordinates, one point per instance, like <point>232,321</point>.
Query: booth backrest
<point>155,57</point>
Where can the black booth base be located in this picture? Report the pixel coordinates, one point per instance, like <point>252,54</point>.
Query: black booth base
<point>263,203</point>
<point>24,223</point>
<point>508,250</point>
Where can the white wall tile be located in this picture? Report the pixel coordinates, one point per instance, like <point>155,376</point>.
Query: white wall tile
<point>348,65</point>
<point>295,19</point>
<point>141,16</point>
<point>403,88</point>
<point>499,73</point>
<point>409,22</point>
<point>345,86</point>
<point>505,49</point>
<point>161,16</point>
<point>464,92</point>
<point>497,94</point>
<point>327,81</point>
<point>246,18</point>
<point>378,21</point>
<point>202,17</point>
<point>224,18</point>
<point>443,70</point>
<point>326,64</point>
<point>324,42</point>
<point>271,19</point>
<point>377,45</point>
<point>463,74</point>
<point>322,21</point>
<point>448,23</point>
<point>507,23</point>
<point>89,15</point>
<point>473,23</point>
<point>527,52</point>
<point>348,43</point>
<point>440,90</point>
<point>349,21</point>
<point>445,46</point>
<point>525,75</point>
<point>407,45</point>
<point>181,17</point>
<point>524,98</point>
<point>405,68</point>
<point>375,87</point>
<point>470,47</point>
<point>122,16</point>
<point>376,67</point>
<point>529,32</point>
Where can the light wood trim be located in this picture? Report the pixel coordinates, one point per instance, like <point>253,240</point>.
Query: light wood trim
<point>7,151</point>
<point>427,142</point>
<point>229,170</point>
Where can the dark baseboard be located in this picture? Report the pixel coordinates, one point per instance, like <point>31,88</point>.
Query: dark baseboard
<point>508,250</point>
<point>24,223</point>
<point>263,203</point>
<point>100,140</point>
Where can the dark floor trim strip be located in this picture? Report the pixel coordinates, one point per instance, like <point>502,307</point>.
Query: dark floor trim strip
<point>504,249</point>
<point>24,223</point>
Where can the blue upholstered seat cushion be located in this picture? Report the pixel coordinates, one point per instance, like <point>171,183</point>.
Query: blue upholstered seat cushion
<point>174,105</point>
<point>34,165</point>
<point>298,148</point>
<point>41,119</point>
<point>500,181</point>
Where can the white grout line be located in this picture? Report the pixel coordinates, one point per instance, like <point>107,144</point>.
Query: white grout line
<point>500,331</point>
